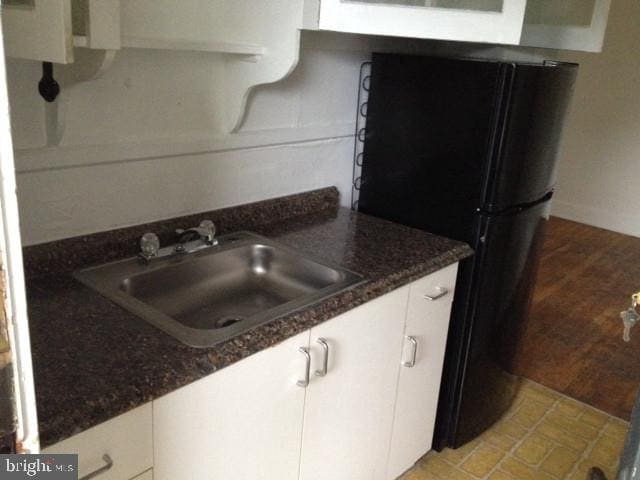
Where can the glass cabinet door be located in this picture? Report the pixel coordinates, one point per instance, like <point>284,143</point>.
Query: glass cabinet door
<point>569,24</point>
<point>493,21</point>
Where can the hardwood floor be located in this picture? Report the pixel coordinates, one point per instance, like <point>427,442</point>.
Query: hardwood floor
<point>572,342</point>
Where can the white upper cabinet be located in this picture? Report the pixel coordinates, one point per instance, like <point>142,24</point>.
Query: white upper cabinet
<point>38,30</point>
<point>570,24</point>
<point>567,25</point>
<point>48,30</point>
<point>492,21</point>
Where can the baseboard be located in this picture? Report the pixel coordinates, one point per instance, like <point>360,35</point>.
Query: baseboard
<point>598,217</point>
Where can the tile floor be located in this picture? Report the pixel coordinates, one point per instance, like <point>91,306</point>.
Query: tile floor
<point>545,436</point>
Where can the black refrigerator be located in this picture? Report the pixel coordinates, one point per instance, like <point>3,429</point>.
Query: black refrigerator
<point>467,149</point>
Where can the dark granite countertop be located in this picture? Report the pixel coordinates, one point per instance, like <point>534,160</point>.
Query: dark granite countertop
<point>93,360</point>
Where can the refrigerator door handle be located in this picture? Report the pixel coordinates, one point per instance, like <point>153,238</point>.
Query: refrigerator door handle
<point>441,293</point>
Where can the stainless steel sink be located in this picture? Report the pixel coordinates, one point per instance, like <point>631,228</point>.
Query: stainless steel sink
<point>212,295</point>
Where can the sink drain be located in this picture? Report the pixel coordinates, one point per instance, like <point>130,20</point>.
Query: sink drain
<point>227,321</point>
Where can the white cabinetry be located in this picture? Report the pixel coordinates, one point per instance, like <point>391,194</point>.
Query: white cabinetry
<point>492,21</point>
<point>125,440</point>
<point>243,423</point>
<point>570,24</point>
<point>257,420</point>
<point>148,475</point>
<point>38,30</point>
<point>348,413</point>
<point>48,30</point>
<point>426,330</point>
<point>350,399</point>
<point>567,25</point>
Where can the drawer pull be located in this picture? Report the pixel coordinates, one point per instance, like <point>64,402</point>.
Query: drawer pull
<point>325,358</point>
<point>307,358</point>
<point>412,363</point>
<point>441,293</point>
<point>108,464</point>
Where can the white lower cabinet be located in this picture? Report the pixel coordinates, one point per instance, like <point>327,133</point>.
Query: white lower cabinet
<point>416,402</point>
<point>242,423</point>
<point>148,475</point>
<point>351,399</point>
<point>348,412</point>
<point>126,440</point>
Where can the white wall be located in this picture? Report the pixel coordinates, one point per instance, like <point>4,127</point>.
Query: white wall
<point>297,136</point>
<point>126,154</point>
<point>599,182</point>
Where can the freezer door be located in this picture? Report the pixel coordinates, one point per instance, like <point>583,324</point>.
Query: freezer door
<point>427,143</point>
<point>523,167</point>
<point>492,319</point>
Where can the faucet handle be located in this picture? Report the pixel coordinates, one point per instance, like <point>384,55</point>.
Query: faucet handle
<point>208,225</point>
<point>149,245</point>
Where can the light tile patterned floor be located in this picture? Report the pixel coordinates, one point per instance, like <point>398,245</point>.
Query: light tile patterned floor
<point>545,436</point>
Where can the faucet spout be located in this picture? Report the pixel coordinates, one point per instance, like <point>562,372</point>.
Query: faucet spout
<point>188,241</point>
<point>204,235</point>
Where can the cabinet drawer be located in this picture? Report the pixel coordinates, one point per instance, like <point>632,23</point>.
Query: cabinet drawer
<point>127,439</point>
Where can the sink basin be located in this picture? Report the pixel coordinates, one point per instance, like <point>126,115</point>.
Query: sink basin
<point>212,295</point>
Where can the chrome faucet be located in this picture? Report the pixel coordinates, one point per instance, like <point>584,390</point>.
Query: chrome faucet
<point>204,233</point>
<point>189,240</point>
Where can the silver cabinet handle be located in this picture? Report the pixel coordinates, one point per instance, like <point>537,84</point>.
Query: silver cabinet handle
<point>325,360</point>
<point>108,464</point>
<point>304,383</point>
<point>412,363</point>
<point>441,293</point>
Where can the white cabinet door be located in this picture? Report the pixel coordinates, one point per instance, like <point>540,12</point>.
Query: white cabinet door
<point>242,423</point>
<point>148,475</point>
<point>126,440</point>
<point>567,25</point>
<point>348,412</point>
<point>38,30</point>
<point>421,371</point>
<point>494,21</point>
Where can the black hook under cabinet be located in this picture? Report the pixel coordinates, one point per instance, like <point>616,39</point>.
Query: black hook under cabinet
<point>47,86</point>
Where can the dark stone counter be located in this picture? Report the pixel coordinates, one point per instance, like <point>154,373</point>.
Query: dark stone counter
<point>93,360</point>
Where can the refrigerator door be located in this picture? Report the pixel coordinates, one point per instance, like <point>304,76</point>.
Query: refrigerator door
<point>523,167</point>
<point>477,388</point>
<point>430,122</point>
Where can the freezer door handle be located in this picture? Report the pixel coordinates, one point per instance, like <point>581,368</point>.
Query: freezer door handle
<point>441,293</point>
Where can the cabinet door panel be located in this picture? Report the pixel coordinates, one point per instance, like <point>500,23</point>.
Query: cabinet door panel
<point>148,475</point>
<point>38,30</point>
<point>349,412</point>
<point>567,25</point>
<point>127,439</point>
<point>419,383</point>
<point>242,423</point>
<point>439,19</point>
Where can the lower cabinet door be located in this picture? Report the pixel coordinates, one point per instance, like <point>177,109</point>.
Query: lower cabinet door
<point>148,475</point>
<point>117,449</point>
<point>349,411</point>
<point>425,339</point>
<point>242,423</point>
